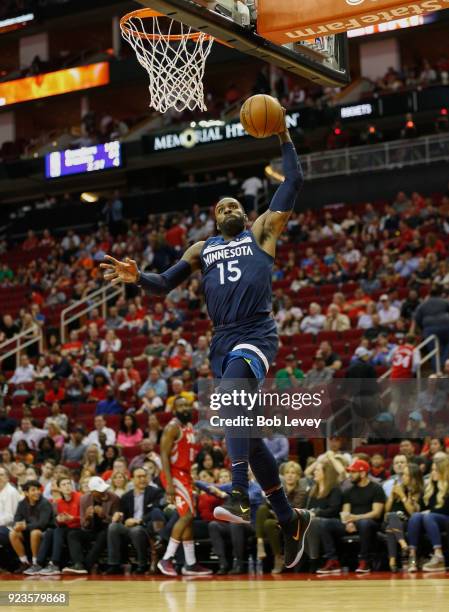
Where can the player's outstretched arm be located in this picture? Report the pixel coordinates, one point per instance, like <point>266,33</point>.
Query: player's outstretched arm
<point>268,227</point>
<point>126,271</point>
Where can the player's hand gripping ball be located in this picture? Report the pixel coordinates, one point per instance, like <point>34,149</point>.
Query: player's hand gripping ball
<point>262,116</point>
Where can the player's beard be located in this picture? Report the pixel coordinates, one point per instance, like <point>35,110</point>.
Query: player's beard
<point>233,225</point>
<point>184,417</point>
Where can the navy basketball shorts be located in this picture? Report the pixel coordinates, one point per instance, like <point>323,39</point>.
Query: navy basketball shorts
<point>255,340</point>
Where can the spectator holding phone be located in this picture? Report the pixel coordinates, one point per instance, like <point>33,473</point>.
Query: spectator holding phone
<point>403,501</point>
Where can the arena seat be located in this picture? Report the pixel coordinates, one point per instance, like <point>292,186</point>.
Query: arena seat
<point>129,452</point>
<point>372,449</point>
<point>5,441</point>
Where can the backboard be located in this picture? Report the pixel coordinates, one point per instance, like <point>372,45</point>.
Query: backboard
<point>323,59</point>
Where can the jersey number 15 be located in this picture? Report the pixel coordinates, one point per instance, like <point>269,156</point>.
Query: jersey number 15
<point>232,270</point>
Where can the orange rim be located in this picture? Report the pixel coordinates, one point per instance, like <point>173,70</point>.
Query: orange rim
<point>148,13</point>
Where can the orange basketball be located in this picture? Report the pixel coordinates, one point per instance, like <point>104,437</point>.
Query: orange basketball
<point>262,116</point>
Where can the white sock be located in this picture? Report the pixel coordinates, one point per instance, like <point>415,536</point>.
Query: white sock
<point>34,560</point>
<point>23,559</point>
<point>189,552</point>
<point>171,549</point>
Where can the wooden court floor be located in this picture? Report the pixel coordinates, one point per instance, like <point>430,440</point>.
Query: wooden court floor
<point>376,593</point>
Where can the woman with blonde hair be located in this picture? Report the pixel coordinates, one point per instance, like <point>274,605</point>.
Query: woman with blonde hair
<point>433,518</point>
<point>92,459</point>
<point>119,483</point>
<point>267,525</point>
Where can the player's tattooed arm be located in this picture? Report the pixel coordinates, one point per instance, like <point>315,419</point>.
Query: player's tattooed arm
<point>127,271</point>
<point>171,433</point>
<point>269,226</point>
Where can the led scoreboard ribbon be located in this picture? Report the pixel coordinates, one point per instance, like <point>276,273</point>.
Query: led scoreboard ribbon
<point>86,159</point>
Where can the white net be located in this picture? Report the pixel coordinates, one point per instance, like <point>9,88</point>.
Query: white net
<point>174,57</point>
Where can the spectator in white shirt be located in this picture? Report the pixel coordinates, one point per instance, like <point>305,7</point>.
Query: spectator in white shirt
<point>251,187</point>
<point>100,427</point>
<point>428,74</point>
<point>31,435</point>
<point>388,314</point>
<point>24,373</point>
<point>351,255</point>
<point>71,241</point>
<point>9,500</point>
<point>336,320</point>
<point>110,343</point>
<point>314,322</point>
<point>288,309</point>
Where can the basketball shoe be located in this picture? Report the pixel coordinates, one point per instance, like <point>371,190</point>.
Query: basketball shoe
<point>294,536</point>
<point>236,508</point>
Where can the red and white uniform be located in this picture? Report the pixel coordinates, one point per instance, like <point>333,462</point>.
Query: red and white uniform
<point>182,456</point>
<point>404,361</point>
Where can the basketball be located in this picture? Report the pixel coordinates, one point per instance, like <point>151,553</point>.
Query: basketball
<point>262,116</point>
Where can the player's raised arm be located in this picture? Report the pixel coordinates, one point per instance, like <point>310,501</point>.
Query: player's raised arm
<point>127,271</point>
<point>268,227</point>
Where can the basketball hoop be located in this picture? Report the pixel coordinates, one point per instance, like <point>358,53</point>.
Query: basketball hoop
<point>173,54</point>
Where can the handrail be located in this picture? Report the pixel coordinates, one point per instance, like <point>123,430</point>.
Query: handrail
<point>104,295</point>
<point>371,158</point>
<point>332,418</point>
<point>37,337</point>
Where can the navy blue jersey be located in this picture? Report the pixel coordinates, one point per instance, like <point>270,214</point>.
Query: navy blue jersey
<point>236,278</point>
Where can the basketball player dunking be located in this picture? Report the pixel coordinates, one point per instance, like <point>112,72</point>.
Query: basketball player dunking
<point>237,267</point>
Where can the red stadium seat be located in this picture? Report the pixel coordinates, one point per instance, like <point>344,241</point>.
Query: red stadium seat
<point>129,452</point>
<point>330,336</point>
<point>372,449</point>
<point>5,441</point>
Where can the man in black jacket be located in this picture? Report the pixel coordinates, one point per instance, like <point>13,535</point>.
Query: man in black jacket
<point>34,515</point>
<point>139,509</point>
<point>362,390</point>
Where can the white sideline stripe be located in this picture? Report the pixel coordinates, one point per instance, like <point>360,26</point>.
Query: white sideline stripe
<point>182,492</point>
<point>256,350</point>
<point>233,243</point>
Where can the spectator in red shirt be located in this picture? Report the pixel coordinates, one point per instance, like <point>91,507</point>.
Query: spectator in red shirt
<point>356,305</point>
<point>56,392</point>
<point>94,317</point>
<point>127,377</point>
<point>74,346</point>
<point>208,500</point>
<point>433,245</point>
<point>47,239</point>
<point>178,360</point>
<point>31,241</point>
<point>140,308</point>
<point>99,389</point>
<point>133,319</point>
<point>67,517</point>
<point>176,235</point>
